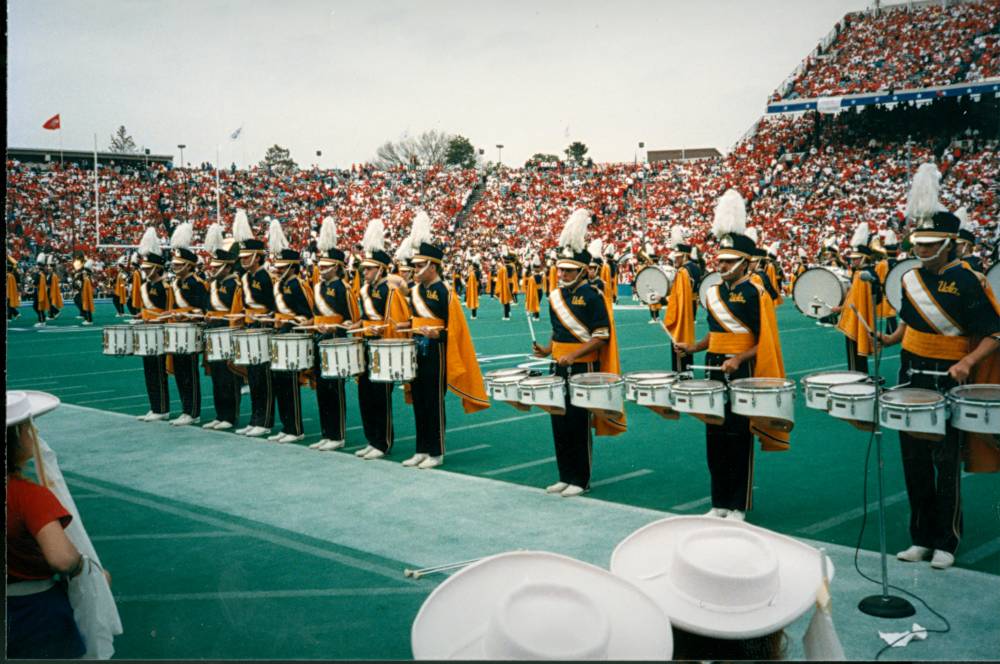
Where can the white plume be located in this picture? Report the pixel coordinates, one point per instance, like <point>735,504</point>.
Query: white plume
<point>405,250</point>
<point>574,233</point>
<point>773,249</point>
<point>276,240</point>
<point>182,236</point>
<point>860,237</point>
<point>421,229</point>
<point>730,215</point>
<point>676,236</point>
<point>150,243</point>
<point>889,237</point>
<point>922,201</point>
<point>327,236</point>
<point>42,259</point>
<point>752,234</point>
<point>695,254</point>
<point>374,238</point>
<point>213,238</point>
<point>241,226</point>
<point>595,247</point>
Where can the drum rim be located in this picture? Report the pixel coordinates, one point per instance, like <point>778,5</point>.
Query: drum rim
<point>788,386</point>
<point>541,381</point>
<point>656,382</point>
<point>630,376</point>
<point>341,341</point>
<point>511,371</point>
<point>810,383</point>
<point>952,396</point>
<point>616,380</point>
<point>795,300</point>
<point>252,331</point>
<point>504,380</point>
<point>391,342</point>
<point>896,406</point>
<point>682,385</point>
<point>293,335</point>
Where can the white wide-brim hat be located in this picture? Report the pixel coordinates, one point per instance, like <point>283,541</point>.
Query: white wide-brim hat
<point>25,404</point>
<point>720,578</point>
<point>538,605</point>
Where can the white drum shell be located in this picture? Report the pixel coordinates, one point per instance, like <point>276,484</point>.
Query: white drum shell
<point>117,340</point>
<point>972,414</point>
<point>291,352</point>
<point>817,290</point>
<point>548,391</point>
<point>652,283</point>
<point>392,360</point>
<point>340,358</point>
<point>219,344</point>
<point>702,397</point>
<point>853,401</point>
<point>763,397</point>
<point>597,391</point>
<point>501,384</point>
<point>707,282</point>
<point>654,392</point>
<point>147,340</point>
<point>252,346</point>
<point>182,338</point>
<point>928,418</point>
<point>816,386</point>
<point>894,281</point>
<point>632,380</point>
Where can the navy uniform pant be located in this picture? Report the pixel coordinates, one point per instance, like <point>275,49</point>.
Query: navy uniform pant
<point>226,387</point>
<point>729,449</point>
<point>572,435</point>
<point>428,390</point>
<point>855,360</point>
<point>289,397</point>
<point>375,402</point>
<point>154,368</point>
<point>261,395</point>
<point>188,382</point>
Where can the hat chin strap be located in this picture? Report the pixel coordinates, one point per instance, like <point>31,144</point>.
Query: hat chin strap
<point>419,273</point>
<point>733,269</point>
<point>936,254</point>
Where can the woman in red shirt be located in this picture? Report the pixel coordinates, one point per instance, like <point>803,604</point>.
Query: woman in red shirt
<point>39,616</point>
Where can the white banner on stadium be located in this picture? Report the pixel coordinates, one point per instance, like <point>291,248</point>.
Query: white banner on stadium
<point>828,104</point>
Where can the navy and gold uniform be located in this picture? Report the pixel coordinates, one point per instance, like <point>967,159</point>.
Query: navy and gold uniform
<point>155,302</point>
<point>734,319</point>
<point>332,302</point>
<point>942,313</point>
<point>375,399</point>
<point>867,303</point>
<point>578,314</point>
<point>224,298</point>
<point>189,295</point>
<point>291,299</point>
<point>41,301</point>
<point>430,309</point>
<point>258,300</point>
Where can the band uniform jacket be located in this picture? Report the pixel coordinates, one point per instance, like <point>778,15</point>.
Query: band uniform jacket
<point>258,295</point>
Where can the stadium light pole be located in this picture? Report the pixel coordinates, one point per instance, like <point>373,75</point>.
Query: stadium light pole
<point>499,154</point>
<point>181,147</point>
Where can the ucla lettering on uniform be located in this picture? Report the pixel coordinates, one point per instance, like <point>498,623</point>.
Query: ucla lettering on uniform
<point>948,287</point>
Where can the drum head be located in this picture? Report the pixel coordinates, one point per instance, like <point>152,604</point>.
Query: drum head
<point>911,396</point>
<point>816,291</point>
<point>993,277</point>
<point>711,279</point>
<point>699,384</point>
<point>501,373</point>
<point>636,376</point>
<point>651,284</point>
<point>595,379</point>
<point>853,390</point>
<point>834,378</point>
<point>986,392</point>
<point>761,383</point>
<point>894,281</point>
<point>539,381</point>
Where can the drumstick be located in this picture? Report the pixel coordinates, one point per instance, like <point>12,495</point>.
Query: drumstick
<point>926,372</point>
<point>703,367</point>
<point>418,329</point>
<point>531,327</point>
<point>862,319</point>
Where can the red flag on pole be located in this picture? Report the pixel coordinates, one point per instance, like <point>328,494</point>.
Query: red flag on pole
<point>52,123</point>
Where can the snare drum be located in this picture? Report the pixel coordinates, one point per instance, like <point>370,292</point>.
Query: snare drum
<point>920,413</point>
<point>219,344</point>
<point>654,394</point>
<point>854,402</point>
<point>252,346</point>
<point>633,378</point>
<point>501,385</point>
<point>768,402</point>
<point>817,386</point>
<point>118,340</point>
<point>705,399</point>
<point>291,352</point>
<point>182,338</point>
<point>602,393</point>
<point>392,360</point>
<point>975,408</point>
<point>342,357</point>
<point>147,340</point>
<point>546,392</point>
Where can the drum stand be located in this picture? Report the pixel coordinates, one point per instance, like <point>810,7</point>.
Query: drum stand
<point>883,605</point>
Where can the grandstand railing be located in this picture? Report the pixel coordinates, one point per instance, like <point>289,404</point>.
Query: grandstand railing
<point>836,104</point>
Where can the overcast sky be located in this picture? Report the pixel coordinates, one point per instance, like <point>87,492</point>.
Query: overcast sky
<point>344,76</point>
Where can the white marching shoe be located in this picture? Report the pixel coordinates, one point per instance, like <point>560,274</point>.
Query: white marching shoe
<point>414,460</point>
<point>431,462</point>
<point>736,515</point>
<point>253,432</point>
<point>290,438</point>
<point>572,491</point>
<point>373,453</point>
<point>184,420</point>
<point>318,444</point>
<point>276,437</point>
<point>243,430</point>
<point>558,487</point>
<point>223,425</point>
<point>156,417</point>
<point>914,554</point>
<point>717,511</point>
<point>145,418</point>
<point>210,425</point>
<point>942,559</point>
<point>330,445</point>
<point>363,451</point>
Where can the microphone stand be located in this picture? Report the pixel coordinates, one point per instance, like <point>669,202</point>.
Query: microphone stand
<point>883,605</point>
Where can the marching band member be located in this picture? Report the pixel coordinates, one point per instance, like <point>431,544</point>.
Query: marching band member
<point>41,302</point>
<point>649,258</point>
<point>13,289</point>
<point>55,288</point>
<point>119,294</point>
<point>533,289</point>
<point>472,287</point>
<point>225,298</point>
<point>611,267</point>
<point>966,242</point>
<point>595,270</point>
<point>292,306</point>
<point>258,302</point>
<point>950,322</point>
<point>743,342</point>
<point>857,313</point>
<point>189,298</point>
<point>889,247</point>
<point>504,290</point>
<point>383,309</point>
<point>334,307</point>
<point>775,275</point>
<point>583,340</point>
<point>135,286</point>
<point>758,261</point>
<point>446,357</point>
<point>682,301</point>
<point>83,284</point>
<point>156,299</point>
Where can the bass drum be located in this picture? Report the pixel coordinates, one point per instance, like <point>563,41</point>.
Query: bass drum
<point>894,281</point>
<point>711,279</point>
<point>993,277</point>
<point>652,283</point>
<point>818,290</point>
